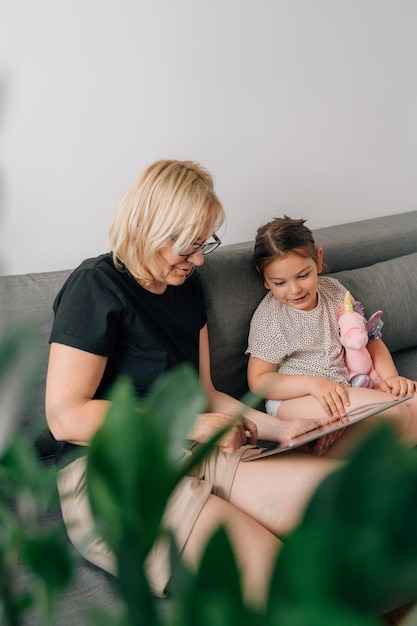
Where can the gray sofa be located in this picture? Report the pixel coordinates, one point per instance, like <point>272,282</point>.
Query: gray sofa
<point>375,259</point>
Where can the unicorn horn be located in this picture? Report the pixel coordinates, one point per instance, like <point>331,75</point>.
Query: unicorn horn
<point>347,303</point>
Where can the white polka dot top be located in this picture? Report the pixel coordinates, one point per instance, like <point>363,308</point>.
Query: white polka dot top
<point>301,342</point>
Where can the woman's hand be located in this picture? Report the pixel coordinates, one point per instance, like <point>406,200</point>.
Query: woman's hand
<point>237,436</point>
<point>399,386</point>
<point>208,424</point>
<point>332,396</point>
<point>322,445</point>
<point>289,429</point>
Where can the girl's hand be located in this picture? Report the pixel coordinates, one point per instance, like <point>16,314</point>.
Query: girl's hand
<point>209,423</point>
<point>399,386</point>
<point>332,396</point>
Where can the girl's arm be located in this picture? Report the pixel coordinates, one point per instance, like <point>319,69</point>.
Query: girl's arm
<point>385,366</point>
<point>382,359</point>
<point>72,380</point>
<point>265,381</point>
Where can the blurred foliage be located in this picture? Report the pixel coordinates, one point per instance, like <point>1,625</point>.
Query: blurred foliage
<point>352,558</point>
<point>27,492</point>
<point>357,545</point>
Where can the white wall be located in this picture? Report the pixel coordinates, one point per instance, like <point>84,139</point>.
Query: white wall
<point>300,106</point>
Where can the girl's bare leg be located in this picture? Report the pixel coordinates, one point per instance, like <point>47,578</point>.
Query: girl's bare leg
<point>404,417</point>
<point>254,546</point>
<point>275,490</point>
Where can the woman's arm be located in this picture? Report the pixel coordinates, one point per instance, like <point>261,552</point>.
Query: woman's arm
<point>268,427</point>
<point>74,416</point>
<point>72,380</point>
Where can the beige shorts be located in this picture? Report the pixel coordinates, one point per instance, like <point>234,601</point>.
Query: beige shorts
<point>214,475</point>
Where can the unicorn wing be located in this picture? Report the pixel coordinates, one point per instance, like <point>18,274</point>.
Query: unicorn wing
<point>374,326</point>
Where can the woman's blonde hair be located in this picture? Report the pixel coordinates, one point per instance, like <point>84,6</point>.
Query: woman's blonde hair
<point>170,202</point>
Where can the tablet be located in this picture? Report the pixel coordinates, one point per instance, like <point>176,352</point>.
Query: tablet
<point>353,416</point>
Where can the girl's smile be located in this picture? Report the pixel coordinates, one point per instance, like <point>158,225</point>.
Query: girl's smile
<point>293,280</point>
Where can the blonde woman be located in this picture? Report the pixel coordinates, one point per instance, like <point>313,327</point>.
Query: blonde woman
<point>138,311</point>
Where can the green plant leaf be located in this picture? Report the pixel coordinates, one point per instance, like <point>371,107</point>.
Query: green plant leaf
<point>134,584</point>
<point>50,560</point>
<point>26,480</point>
<point>19,358</point>
<point>99,617</point>
<point>175,400</point>
<point>9,535</point>
<point>213,595</point>
<point>326,614</point>
<point>357,543</point>
<point>10,538</point>
<point>129,477</point>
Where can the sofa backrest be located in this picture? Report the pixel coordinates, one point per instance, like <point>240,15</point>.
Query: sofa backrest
<point>29,298</point>
<point>232,289</point>
<point>376,259</point>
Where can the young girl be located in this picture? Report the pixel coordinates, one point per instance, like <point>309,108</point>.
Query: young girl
<point>296,358</point>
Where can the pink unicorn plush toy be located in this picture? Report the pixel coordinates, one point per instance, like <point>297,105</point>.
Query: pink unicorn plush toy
<point>354,338</point>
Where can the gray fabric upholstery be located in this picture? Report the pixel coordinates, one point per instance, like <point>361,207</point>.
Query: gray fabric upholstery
<point>359,244</point>
<point>392,287</point>
<point>376,259</point>
<point>232,290</point>
<point>29,297</point>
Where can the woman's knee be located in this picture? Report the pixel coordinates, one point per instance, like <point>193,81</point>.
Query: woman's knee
<point>254,546</point>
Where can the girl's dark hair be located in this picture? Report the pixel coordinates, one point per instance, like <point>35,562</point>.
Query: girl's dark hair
<point>280,236</point>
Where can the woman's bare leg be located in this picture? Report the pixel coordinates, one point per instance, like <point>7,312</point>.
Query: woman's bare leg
<point>254,546</point>
<point>275,490</point>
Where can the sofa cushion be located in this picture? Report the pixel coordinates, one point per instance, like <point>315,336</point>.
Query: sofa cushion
<point>29,297</point>
<point>392,287</point>
<point>232,290</point>
<point>406,362</point>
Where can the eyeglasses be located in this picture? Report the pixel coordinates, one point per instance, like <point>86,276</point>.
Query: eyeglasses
<point>204,248</point>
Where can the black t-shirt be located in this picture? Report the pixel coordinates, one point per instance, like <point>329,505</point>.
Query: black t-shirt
<point>103,310</point>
